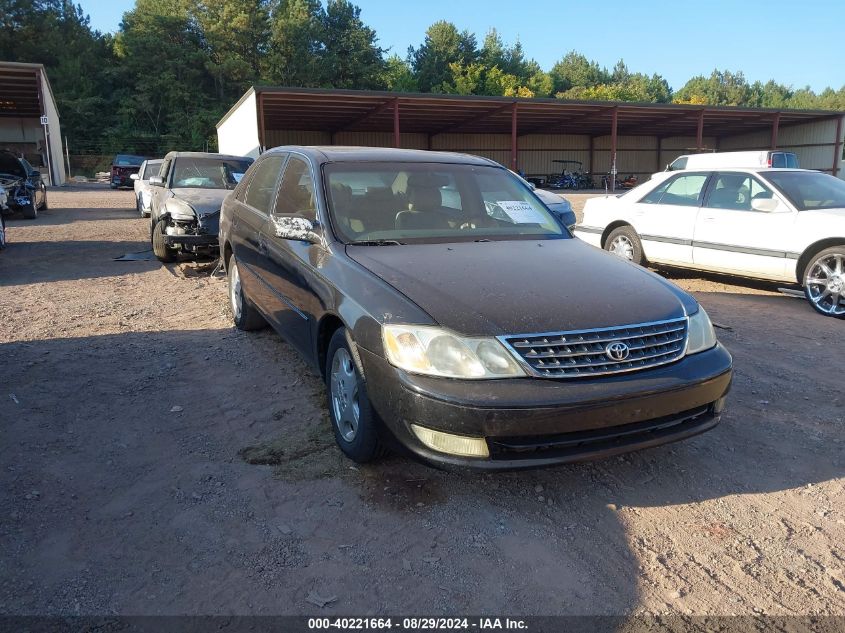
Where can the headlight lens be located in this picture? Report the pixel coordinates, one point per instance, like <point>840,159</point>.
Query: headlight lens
<point>433,351</point>
<point>179,210</point>
<point>701,334</point>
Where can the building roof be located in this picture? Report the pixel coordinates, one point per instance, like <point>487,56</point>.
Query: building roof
<point>19,89</point>
<point>283,108</point>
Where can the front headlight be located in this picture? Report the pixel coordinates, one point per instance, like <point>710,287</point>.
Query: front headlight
<point>701,334</point>
<point>424,349</point>
<point>179,210</point>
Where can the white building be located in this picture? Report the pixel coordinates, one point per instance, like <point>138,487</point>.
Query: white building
<point>26,101</point>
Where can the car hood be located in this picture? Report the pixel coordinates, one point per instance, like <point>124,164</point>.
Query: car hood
<point>520,287</point>
<point>550,198</point>
<point>9,164</point>
<point>203,201</point>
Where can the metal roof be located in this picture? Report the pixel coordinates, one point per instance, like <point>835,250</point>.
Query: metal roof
<point>19,89</point>
<point>285,108</point>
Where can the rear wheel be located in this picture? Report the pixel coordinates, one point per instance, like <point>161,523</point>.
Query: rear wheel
<point>244,314</point>
<point>160,249</point>
<point>824,282</point>
<point>353,419</point>
<point>624,242</point>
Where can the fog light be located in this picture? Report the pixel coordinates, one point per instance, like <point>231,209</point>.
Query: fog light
<point>452,444</point>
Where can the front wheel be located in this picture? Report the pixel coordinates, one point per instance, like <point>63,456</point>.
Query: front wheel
<point>160,249</point>
<point>625,243</point>
<point>824,282</point>
<point>353,419</point>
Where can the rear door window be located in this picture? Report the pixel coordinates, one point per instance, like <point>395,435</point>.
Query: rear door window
<point>262,184</point>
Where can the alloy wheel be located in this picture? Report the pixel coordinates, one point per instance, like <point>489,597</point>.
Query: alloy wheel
<point>825,284</point>
<point>344,394</point>
<point>623,247</point>
<point>235,294</point>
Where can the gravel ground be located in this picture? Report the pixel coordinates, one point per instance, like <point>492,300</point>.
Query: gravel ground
<point>154,460</point>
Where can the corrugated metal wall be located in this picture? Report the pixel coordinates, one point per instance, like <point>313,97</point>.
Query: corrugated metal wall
<point>813,143</point>
<point>635,154</point>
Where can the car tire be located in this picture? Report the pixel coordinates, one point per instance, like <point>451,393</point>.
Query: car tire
<point>625,243</point>
<point>30,211</point>
<point>160,249</point>
<point>43,206</point>
<point>824,281</point>
<point>244,313</point>
<point>140,209</point>
<point>355,424</point>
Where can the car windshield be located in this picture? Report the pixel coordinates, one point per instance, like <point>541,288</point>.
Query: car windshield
<point>208,173</point>
<point>809,190</point>
<point>123,160</point>
<point>433,202</point>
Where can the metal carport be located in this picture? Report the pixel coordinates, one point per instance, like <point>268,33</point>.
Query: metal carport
<point>526,130</point>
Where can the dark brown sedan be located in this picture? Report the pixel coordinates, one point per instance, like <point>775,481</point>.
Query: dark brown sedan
<point>452,315</point>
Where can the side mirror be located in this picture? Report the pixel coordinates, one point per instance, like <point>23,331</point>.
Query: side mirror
<point>133,177</point>
<point>766,205</point>
<point>295,227</point>
<point>156,181</point>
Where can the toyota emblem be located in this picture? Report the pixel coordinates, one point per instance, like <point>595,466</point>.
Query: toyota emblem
<point>617,351</point>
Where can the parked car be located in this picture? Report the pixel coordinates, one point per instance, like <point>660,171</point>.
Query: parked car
<point>778,224</point>
<point>143,189</point>
<point>470,329</point>
<point>556,203</point>
<point>186,199</point>
<point>725,160</point>
<point>122,168</point>
<point>23,184</point>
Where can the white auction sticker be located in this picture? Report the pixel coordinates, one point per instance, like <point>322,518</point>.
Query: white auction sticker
<point>521,212</point>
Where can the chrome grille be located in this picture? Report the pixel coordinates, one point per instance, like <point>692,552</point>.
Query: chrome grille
<point>585,352</point>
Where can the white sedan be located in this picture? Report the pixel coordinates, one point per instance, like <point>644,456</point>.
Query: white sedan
<point>779,224</point>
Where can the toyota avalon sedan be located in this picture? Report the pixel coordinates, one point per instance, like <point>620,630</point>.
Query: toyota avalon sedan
<point>451,314</point>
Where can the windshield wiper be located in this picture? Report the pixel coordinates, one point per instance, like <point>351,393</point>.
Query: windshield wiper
<point>377,243</point>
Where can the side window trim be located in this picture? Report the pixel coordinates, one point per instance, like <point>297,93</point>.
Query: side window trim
<point>257,165</point>
<point>307,161</point>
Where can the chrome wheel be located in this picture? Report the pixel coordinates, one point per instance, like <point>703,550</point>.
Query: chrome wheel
<point>235,295</point>
<point>825,284</point>
<point>622,246</point>
<point>343,388</point>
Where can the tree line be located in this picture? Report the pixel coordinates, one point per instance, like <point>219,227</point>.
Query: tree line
<point>175,67</point>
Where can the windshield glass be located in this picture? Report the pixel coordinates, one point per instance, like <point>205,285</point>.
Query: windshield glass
<point>809,190</point>
<point>208,173</point>
<point>433,202</point>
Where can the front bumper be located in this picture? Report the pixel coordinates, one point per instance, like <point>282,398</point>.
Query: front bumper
<point>191,241</point>
<point>529,422</point>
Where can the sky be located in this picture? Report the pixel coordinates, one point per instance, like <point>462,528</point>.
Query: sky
<point>794,43</point>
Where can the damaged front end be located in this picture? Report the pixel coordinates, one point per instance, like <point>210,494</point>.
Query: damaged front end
<point>19,193</point>
<point>188,231</point>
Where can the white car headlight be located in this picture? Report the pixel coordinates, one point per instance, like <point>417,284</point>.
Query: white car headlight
<point>424,349</point>
<point>702,336</point>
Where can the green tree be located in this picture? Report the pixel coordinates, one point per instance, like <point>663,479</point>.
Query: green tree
<point>721,88</point>
<point>575,70</point>
<point>349,56</point>
<point>398,76</point>
<point>296,43</point>
<point>443,45</point>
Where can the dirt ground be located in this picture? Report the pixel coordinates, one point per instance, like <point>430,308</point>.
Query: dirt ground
<point>154,460</point>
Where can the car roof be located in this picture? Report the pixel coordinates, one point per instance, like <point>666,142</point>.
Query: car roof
<point>203,155</point>
<point>339,154</point>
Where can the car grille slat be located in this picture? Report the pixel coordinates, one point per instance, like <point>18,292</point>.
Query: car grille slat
<point>584,352</point>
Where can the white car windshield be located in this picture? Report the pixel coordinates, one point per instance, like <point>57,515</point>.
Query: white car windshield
<point>433,202</point>
<point>809,190</point>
